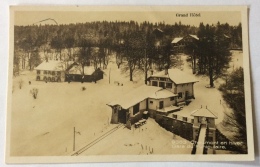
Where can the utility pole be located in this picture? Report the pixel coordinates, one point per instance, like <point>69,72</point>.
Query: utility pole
<point>74,139</point>
<point>145,68</point>
<point>109,74</point>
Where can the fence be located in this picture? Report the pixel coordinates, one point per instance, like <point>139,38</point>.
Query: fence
<point>178,127</point>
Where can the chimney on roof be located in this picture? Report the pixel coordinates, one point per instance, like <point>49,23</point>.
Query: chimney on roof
<point>166,69</point>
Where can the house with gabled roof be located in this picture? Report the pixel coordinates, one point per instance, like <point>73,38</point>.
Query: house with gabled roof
<point>50,71</point>
<point>179,43</point>
<point>204,128</point>
<point>87,74</point>
<point>130,108</point>
<point>177,81</point>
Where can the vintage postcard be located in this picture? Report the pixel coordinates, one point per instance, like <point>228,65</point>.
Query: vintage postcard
<point>129,83</point>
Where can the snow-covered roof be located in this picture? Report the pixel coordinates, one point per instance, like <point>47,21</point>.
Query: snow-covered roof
<point>139,94</point>
<point>176,40</point>
<point>77,69</point>
<point>163,93</point>
<point>194,36</point>
<point>51,65</point>
<point>204,112</point>
<point>177,76</point>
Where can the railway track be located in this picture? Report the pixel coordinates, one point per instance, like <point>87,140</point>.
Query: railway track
<point>97,140</point>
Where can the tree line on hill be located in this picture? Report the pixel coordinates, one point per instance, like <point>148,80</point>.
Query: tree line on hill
<point>135,45</point>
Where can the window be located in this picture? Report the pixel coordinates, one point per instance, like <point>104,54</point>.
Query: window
<point>49,72</point>
<point>38,71</point>
<point>45,72</point>
<point>162,84</point>
<point>171,98</point>
<point>154,83</point>
<point>160,104</point>
<point>192,120</point>
<point>180,95</point>
<point>168,85</point>
<point>184,119</point>
<point>151,102</point>
<point>174,116</point>
<point>58,73</point>
<point>53,73</point>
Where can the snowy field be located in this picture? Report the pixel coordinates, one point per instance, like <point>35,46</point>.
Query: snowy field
<point>44,126</point>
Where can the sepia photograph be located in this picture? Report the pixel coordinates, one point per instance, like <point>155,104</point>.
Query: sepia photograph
<point>143,83</point>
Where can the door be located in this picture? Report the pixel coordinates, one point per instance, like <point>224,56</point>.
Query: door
<point>204,120</point>
<point>122,116</point>
<point>160,104</point>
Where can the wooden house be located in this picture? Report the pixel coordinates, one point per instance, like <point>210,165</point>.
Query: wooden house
<point>180,44</point>
<point>90,74</point>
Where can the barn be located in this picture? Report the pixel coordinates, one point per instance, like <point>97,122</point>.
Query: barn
<point>89,74</point>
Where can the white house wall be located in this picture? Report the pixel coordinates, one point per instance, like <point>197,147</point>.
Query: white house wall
<point>153,106</point>
<point>131,111</point>
<point>142,105</point>
<point>183,88</point>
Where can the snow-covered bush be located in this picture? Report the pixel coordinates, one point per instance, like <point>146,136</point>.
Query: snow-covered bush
<point>34,92</point>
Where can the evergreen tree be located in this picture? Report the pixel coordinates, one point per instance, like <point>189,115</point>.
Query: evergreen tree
<point>213,48</point>
<point>233,94</point>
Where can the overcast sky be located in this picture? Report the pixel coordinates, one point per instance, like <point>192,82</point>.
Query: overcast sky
<point>66,17</point>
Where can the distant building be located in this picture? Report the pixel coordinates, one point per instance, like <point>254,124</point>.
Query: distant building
<point>180,43</point>
<point>75,73</point>
<point>51,71</point>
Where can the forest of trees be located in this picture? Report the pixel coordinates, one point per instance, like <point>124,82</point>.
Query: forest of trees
<point>132,43</point>
<point>234,95</point>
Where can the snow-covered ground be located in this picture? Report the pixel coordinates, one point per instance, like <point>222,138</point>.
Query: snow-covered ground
<point>44,126</point>
<point>150,138</point>
<point>210,97</point>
